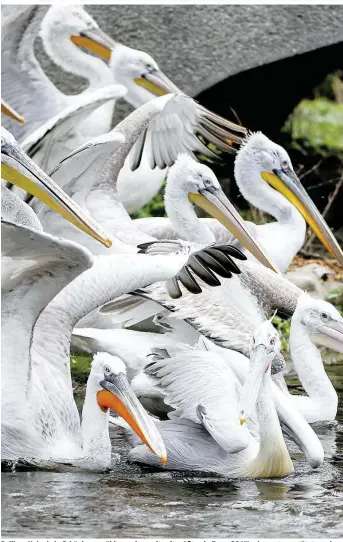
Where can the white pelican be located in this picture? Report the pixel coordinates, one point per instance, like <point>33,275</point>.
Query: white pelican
<point>89,174</point>
<point>314,317</point>
<point>27,87</point>
<point>206,432</point>
<point>260,167</point>
<point>19,169</point>
<point>40,422</point>
<point>144,80</point>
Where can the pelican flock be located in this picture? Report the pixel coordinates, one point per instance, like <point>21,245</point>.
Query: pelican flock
<point>202,387</point>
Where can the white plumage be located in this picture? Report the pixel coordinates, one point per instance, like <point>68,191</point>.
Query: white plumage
<point>204,433</point>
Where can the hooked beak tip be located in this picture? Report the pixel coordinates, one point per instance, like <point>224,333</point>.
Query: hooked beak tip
<point>163,459</point>
<point>241,421</point>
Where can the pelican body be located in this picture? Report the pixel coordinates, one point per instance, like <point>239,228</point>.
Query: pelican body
<point>191,435</point>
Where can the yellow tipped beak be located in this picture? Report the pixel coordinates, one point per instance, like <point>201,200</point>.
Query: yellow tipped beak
<point>217,205</point>
<point>52,195</point>
<point>241,421</point>
<point>10,112</point>
<point>288,184</point>
<point>95,40</point>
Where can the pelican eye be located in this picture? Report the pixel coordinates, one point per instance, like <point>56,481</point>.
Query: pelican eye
<point>272,341</point>
<point>107,369</point>
<point>324,316</point>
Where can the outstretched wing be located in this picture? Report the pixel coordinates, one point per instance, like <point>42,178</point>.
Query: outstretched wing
<point>204,263</point>
<point>202,388</point>
<point>67,119</point>
<point>184,126</point>
<point>35,267</point>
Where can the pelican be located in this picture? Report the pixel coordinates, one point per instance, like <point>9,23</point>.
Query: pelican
<point>144,80</point>
<point>42,101</point>
<point>315,318</point>
<point>40,421</point>
<point>89,174</point>
<point>266,179</point>
<point>207,431</point>
<point>18,169</point>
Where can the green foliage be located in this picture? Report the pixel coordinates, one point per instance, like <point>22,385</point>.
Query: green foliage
<point>80,364</point>
<point>317,126</point>
<point>335,297</point>
<point>154,207</point>
<point>284,329</point>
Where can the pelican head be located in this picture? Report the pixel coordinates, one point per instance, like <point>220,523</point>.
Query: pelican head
<point>17,168</point>
<point>189,178</point>
<point>114,391</point>
<point>265,348</point>
<point>135,69</point>
<point>10,112</point>
<point>76,23</point>
<point>261,158</point>
<point>322,320</point>
<point>140,73</point>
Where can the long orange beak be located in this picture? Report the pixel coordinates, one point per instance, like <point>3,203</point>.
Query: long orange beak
<point>118,396</point>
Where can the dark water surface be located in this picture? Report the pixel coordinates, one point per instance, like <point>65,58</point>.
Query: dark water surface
<point>131,502</point>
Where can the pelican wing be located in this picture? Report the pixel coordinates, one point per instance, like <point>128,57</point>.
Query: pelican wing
<point>189,447</point>
<point>227,314</point>
<point>81,175</point>
<point>35,267</point>
<point>88,174</point>
<point>182,126</point>
<point>202,388</point>
<point>24,84</point>
<point>58,126</point>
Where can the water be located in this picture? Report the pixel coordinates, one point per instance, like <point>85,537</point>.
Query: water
<point>131,502</point>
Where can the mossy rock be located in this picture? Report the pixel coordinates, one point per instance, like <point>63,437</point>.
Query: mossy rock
<point>317,125</point>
